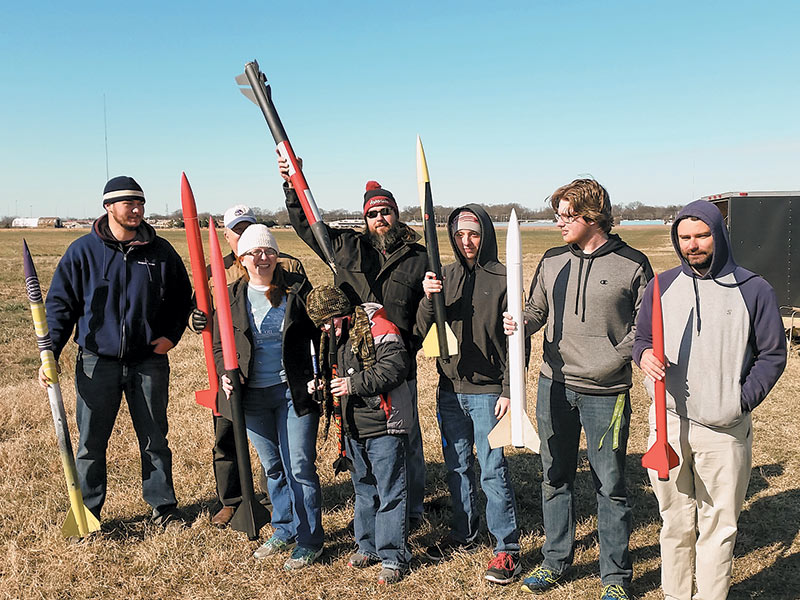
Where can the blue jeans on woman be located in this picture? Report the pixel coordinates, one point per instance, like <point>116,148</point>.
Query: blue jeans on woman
<point>466,420</point>
<point>287,447</point>
<point>381,511</point>
<point>560,413</point>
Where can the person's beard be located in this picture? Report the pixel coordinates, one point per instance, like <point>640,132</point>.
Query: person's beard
<point>700,266</point>
<point>388,241</point>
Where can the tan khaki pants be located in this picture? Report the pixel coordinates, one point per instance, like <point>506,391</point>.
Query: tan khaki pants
<point>700,505</point>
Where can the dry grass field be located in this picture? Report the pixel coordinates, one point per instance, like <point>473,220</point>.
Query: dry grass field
<point>133,559</point>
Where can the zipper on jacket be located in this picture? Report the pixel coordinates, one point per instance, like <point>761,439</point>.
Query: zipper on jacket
<point>124,299</point>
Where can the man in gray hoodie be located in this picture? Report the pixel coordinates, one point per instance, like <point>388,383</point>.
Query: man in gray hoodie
<point>725,348</point>
<point>586,294</point>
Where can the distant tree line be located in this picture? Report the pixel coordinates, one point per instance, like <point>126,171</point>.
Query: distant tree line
<point>497,212</point>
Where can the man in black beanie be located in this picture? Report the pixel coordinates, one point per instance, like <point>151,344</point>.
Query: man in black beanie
<point>125,292</point>
<point>382,263</point>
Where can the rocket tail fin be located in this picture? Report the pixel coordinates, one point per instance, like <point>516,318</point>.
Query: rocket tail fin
<point>72,528</point>
<point>661,458</point>
<point>430,345</point>
<point>501,434</point>
<point>248,93</point>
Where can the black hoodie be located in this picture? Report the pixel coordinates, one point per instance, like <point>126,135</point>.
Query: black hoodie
<point>474,299</point>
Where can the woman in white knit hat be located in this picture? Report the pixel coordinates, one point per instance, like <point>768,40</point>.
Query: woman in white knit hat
<point>272,333</point>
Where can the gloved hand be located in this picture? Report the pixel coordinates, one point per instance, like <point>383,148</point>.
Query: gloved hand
<point>199,320</point>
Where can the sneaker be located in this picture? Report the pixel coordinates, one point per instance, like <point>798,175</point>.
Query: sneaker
<point>360,561</point>
<point>273,545</point>
<point>449,546</point>
<point>503,568</point>
<point>301,558</point>
<point>389,576</point>
<point>615,592</point>
<point>541,580</point>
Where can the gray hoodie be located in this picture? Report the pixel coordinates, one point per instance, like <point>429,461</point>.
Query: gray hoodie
<point>588,303</point>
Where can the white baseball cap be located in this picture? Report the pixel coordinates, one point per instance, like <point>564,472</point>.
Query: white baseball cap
<point>237,214</point>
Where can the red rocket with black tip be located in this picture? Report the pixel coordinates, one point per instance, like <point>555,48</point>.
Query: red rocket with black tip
<point>661,457</point>
<point>207,398</point>
<point>260,93</point>
<point>250,515</point>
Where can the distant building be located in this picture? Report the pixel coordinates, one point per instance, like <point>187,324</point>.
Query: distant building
<point>32,222</point>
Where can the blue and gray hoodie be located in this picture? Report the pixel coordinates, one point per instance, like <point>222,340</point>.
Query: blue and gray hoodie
<point>723,335</point>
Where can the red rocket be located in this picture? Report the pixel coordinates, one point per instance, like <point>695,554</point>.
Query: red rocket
<point>661,457</point>
<point>250,515</point>
<point>207,398</point>
<point>259,93</point>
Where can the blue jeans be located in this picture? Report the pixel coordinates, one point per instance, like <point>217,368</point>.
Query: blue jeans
<point>466,420</point>
<point>560,413</point>
<point>381,511</point>
<point>416,461</point>
<point>99,384</point>
<point>287,447</point>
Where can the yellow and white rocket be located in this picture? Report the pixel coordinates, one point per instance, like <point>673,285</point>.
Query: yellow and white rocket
<point>80,521</point>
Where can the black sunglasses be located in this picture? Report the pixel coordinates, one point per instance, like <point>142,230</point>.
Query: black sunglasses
<point>371,214</point>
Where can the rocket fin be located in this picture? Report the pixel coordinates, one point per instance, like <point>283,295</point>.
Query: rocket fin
<point>501,434</point>
<point>248,93</point>
<point>241,79</point>
<point>71,527</point>
<point>430,345</point>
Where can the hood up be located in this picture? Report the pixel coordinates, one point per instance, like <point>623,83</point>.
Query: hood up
<point>487,253</point>
<point>722,262</point>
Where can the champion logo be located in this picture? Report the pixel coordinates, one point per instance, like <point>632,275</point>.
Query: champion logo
<point>604,282</point>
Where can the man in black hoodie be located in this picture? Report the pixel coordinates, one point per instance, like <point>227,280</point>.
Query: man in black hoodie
<point>473,394</point>
<point>586,294</point>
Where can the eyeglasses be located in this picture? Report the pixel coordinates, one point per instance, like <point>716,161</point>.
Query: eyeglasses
<point>566,219</point>
<point>266,252</point>
<point>371,214</point>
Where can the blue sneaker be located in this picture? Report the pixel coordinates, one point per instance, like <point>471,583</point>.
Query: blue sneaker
<point>541,580</point>
<point>615,592</point>
<point>301,558</point>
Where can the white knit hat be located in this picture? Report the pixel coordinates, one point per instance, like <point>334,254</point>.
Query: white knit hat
<point>256,236</point>
<point>236,214</point>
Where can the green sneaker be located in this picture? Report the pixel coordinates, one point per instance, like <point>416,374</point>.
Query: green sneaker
<point>301,558</point>
<point>541,580</point>
<point>615,592</point>
<point>273,545</point>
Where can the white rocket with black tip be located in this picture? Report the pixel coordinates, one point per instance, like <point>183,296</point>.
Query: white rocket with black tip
<point>515,428</point>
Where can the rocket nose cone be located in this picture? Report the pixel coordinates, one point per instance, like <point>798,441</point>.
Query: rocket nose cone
<point>27,261</point>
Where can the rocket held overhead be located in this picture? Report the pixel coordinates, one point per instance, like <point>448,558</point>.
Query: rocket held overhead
<point>207,398</point>
<point>660,457</point>
<point>250,515</point>
<point>440,341</point>
<point>515,427</point>
<point>261,94</point>
<point>80,521</point>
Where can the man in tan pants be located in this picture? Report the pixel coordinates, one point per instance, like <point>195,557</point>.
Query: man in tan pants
<point>725,350</point>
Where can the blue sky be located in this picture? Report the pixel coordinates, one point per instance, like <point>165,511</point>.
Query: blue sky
<point>662,102</point>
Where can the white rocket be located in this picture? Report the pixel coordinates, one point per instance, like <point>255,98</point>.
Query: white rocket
<point>515,428</point>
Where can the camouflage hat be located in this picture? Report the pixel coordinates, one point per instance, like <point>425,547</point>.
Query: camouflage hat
<point>325,302</point>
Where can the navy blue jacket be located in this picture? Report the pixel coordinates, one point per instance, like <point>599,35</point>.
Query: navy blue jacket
<point>118,297</point>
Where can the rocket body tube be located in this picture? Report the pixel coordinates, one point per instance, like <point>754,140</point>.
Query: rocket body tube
<point>660,457</point>
<point>80,521</point>
<point>250,515</point>
<point>207,398</point>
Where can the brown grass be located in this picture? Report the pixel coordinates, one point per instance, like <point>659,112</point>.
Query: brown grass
<point>133,559</point>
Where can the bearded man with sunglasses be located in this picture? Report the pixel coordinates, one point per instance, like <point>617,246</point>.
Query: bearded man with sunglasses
<point>383,263</point>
